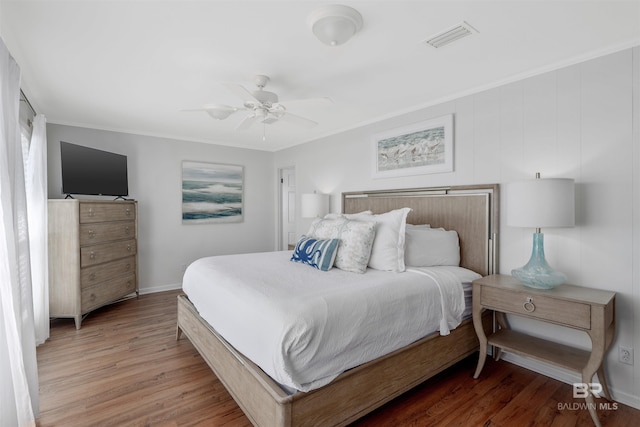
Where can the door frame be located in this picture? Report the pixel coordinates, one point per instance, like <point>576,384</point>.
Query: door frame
<point>280,241</point>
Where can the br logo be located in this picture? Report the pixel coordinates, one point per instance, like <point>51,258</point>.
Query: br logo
<point>582,390</point>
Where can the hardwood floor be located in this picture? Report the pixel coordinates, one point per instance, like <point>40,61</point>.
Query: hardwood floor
<point>125,368</point>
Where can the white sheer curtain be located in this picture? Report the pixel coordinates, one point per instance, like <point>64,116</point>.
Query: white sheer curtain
<point>18,366</point>
<point>36,188</point>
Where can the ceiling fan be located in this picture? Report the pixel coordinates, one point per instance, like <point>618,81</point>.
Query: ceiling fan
<point>262,106</point>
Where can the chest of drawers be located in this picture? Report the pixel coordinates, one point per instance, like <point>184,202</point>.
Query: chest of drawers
<point>93,255</point>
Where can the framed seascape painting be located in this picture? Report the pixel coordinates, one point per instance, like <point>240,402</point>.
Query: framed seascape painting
<point>212,193</point>
<point>419,148</point>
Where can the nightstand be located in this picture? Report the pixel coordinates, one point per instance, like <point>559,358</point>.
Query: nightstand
<point>584,309</point>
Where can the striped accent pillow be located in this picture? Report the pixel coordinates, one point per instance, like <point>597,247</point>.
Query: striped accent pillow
<point>315,252</point>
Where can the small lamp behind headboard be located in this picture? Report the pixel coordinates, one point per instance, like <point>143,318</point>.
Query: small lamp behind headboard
<point>314,205</point>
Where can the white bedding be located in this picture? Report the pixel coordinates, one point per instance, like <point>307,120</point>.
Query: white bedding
<point>304,327</point>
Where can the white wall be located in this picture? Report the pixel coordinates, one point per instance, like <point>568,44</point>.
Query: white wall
<point>166,245</point>
<point>578,122</point>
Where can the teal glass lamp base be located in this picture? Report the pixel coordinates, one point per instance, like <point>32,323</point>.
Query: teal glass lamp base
<point>537,273</point>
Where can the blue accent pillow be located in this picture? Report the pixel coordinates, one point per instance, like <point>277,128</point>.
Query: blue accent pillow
<point>315,252</point>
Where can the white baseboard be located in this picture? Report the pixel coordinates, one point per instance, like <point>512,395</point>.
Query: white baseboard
<point>162,288</point>
<point>566,376</point>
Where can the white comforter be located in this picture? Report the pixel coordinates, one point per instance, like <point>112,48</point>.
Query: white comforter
<point>304,327</point>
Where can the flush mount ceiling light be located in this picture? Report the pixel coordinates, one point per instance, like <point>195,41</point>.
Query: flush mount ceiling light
<point>334,24</point>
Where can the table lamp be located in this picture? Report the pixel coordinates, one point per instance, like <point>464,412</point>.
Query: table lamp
<point>314,205</point>
<point>540,203</point>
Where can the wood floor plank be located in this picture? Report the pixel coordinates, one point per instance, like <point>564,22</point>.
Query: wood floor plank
<point>125,368</point>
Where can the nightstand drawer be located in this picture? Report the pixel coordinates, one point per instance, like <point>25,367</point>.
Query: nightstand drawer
<point>549,309</point>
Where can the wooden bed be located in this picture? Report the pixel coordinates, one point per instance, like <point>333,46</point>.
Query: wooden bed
<point>473,211</point>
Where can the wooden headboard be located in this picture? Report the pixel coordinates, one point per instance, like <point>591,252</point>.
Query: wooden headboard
<point>472,211</point>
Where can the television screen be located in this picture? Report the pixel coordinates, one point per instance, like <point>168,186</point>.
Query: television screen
<point>90,171</point>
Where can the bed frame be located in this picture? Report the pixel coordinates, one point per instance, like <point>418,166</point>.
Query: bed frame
<point>473,211</point>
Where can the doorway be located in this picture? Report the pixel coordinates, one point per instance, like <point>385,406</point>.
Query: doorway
<point>287,209</point>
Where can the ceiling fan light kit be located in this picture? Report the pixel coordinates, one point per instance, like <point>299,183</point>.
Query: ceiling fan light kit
<point>334,24</point>
<point>219,111</point>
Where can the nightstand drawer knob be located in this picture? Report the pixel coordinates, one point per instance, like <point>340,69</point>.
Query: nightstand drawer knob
<point>529,306</point>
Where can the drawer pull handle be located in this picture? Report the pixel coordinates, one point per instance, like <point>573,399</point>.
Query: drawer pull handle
<point>127,212</point>
<point>127,230</point>
<point>92,255</point>
<point>92,276</point>
<point>129,248</point>
<point>529,306</point>
<point>92,234</point>
<point>91,213</point>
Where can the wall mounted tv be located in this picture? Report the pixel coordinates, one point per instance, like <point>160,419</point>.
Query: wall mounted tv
<point>93,172</point>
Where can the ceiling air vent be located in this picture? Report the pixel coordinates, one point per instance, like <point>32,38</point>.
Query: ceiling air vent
<point>450,35</point>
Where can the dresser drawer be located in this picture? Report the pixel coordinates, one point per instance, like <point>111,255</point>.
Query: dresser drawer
<point>90,276</point>
<point>98,295</point>
<point>105,252</point>
<point>102,212</point>
<point>549,309</point>
<point>106,232</point>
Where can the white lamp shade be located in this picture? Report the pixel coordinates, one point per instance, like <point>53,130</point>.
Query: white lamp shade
<point>314,205</point>
<point>540,203</point>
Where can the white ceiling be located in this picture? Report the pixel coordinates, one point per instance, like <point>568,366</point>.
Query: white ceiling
<point>132,65</point>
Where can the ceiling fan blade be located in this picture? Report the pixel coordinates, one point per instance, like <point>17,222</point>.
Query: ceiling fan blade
<point>241,93</point>
<point>217,111</point>
<point>247,122</point>
<point>321,102</point>
<point>297,120</point>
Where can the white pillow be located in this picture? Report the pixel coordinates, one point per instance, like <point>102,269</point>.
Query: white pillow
<point>388,247</point>
<point>428,247</point>
<point>348,216</point>
<point>418,226</point>
<point>356,240</point>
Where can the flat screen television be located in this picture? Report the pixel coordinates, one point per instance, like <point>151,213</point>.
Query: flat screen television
<point>93,172</point>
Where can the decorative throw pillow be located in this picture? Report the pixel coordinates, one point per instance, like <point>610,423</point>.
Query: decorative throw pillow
<point>356,240</point>
<point>388,247</point>
<point>428,247</point>
<point>317,253</point>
